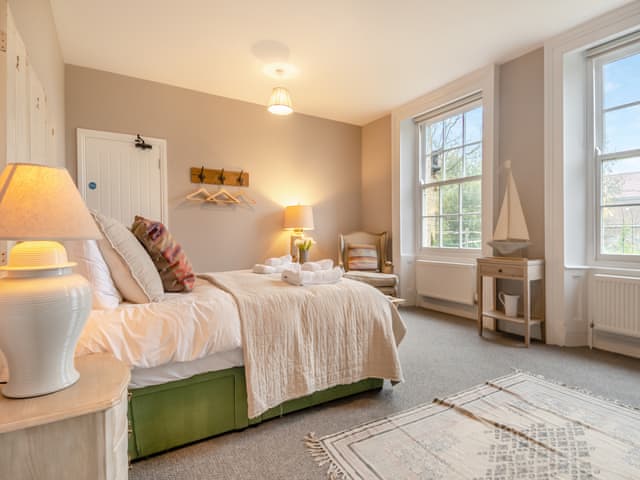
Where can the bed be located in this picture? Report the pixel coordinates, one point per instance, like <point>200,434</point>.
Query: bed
<point>242,348</point>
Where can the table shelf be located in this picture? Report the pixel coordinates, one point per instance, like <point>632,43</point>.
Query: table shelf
<point>498,315</point>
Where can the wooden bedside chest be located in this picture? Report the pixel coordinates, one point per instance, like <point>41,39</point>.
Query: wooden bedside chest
<point>511,268</point>
<point>78,433</point>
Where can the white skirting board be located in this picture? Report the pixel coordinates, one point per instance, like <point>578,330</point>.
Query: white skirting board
<point>617,343</point>
<point>451,308</point>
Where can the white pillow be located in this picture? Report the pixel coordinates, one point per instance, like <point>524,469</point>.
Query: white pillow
<point>91,265</point>
<point>131,268</point>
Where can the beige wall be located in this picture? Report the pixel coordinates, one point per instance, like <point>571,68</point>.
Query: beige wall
<point>290,159</point>
<point>34,20</point>
<point>521,139</point>
<point>376,176</point>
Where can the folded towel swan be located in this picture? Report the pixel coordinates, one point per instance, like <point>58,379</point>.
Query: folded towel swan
<point>268,269</point>
<point>318,265</point>
<point>278,261</point>
<point>305,277</point>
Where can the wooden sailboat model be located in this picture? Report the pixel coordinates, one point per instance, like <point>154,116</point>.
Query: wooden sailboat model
<point>511,233</point>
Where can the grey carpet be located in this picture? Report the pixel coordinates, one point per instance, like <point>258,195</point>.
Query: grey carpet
<point>440,355</point>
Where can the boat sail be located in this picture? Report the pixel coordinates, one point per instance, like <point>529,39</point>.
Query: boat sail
<point>511,233</point>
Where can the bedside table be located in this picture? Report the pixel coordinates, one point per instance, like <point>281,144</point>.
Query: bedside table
<point>512,268</point>
<point>76,433</point>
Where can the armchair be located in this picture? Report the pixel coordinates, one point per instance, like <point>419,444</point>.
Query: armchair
<point>379,272</point>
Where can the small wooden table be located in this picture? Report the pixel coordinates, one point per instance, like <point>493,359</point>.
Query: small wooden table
<point>511,268</point>
<point>79,432</point>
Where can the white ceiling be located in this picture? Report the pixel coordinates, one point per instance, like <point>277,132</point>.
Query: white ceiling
<point>354,60</point>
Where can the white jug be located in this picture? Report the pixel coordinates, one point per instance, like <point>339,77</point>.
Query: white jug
<point>510,303</point>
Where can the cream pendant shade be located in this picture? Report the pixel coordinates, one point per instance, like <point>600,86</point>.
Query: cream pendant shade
<point>42,203</point>
<point>298,217</point>
<point>280,102</point>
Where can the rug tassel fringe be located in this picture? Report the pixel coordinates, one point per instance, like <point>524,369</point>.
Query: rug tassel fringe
<point>322,457</point>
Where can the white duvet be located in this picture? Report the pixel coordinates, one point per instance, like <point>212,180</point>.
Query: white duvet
<point>181,328</point>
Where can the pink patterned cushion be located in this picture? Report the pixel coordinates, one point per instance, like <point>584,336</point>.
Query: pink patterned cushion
<point>167,255</point>
<point>362,257</point>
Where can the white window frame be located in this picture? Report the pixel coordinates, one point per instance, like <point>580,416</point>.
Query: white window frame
<point>596,111</point>
<point>422,186</point>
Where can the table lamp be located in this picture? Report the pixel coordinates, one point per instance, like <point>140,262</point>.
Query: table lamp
<point>43,305</point>
<point>297,218</point>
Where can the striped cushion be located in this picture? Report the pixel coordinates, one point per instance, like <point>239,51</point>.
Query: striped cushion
<point>167,255</point>
<point>362,257</point>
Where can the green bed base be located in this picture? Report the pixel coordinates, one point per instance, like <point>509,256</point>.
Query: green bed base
<point>173,414</point>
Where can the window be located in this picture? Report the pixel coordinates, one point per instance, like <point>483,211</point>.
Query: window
<point>451,177</point>
<point>616,138</point>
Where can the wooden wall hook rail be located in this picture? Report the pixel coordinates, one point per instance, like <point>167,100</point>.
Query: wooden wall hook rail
<point>219,177</point>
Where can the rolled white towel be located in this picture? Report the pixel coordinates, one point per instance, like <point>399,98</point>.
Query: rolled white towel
<point>306,277</point>
<point>297,277</point>
<point>263,269</point>
<point>325,264</point>
<point>277,261</point>
<point>268,269</point>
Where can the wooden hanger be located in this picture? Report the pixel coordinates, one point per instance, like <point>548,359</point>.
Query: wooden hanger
<point>199,195</point>
<point>243,196</point>
<point>222,196</point>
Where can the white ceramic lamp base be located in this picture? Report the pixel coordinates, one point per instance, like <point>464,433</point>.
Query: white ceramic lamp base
<point>42,313</point>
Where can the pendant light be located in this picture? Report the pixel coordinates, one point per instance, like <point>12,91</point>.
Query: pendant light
<point>280,102</point>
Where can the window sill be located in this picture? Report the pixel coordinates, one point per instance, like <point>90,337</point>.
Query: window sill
<point>449,255</point>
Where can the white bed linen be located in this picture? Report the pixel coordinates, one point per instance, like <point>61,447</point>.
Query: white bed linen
<point>180,328</point>
<point>170,372</point>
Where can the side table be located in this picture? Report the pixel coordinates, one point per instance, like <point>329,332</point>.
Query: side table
<point>524,269</point>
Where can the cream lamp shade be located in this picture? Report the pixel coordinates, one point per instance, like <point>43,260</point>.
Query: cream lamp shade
<point>298,217</point>
<point>42,203</point>
<point>43,304</point>
<point>280,102</point>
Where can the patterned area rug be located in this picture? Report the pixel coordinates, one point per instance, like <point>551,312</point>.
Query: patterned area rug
<point>515,427</point>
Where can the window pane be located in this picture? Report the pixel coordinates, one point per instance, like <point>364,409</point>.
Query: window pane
<point>621,181</point>
<point>622,129</point>
<point>620,233</point>
<point>471,197</point>
<point>450,231</point>
<point>450,199</point>
<point>452,131</point>
<point>453,164</point>
<point>434,137</point>
<point>431,232</point>
<point>621,81</point>
<point>431,201</point>
<point>471,231</point>
<point>433,171</point>
<point>473,125</point>
<point>473,160</point>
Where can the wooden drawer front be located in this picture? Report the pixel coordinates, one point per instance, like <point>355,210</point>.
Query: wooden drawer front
<point>116,421</point>
<point>502,270</point>
<point>116,438</point>
<point>120,459</point>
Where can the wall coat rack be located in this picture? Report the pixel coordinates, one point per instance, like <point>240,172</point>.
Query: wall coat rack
<point>219,177</point>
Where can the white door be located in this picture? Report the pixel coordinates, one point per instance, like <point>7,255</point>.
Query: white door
<point>37,121</point>
<point>18,138</point>
<point>120,180</point>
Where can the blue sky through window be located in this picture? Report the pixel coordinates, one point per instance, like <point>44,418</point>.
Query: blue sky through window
<point>621,86</point>
<point>621,81</point>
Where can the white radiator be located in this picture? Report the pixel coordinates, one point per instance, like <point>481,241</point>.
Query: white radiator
<point>614,305</point>
<point>453,282</point>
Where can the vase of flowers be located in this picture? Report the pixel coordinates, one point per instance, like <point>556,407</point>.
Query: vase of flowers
<point>304,245</point>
